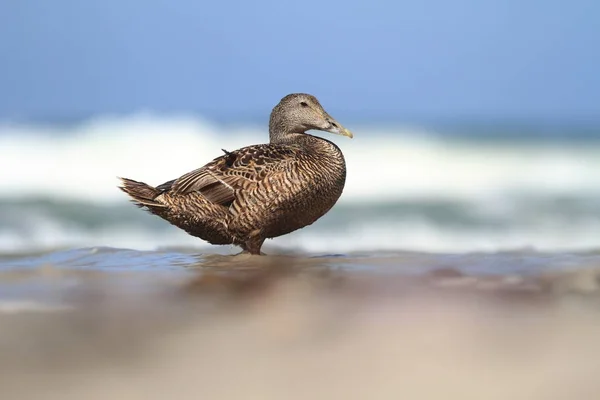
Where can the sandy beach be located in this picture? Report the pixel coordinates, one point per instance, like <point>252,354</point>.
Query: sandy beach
<point>287,326</point>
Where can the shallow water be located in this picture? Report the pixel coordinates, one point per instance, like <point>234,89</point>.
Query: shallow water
<point>116,323</point>
<point>50,274</point>
<point>524,261</point>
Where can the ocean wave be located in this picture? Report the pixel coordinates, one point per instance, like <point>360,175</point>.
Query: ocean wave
<point>81,161</point>
<point>411,235</point>
<point>540,223</point>
<point>407,188</point>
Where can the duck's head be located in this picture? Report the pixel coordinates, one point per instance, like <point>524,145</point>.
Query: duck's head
<point>298,113</point>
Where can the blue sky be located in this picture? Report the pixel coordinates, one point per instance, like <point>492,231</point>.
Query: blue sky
<point>400,59</point>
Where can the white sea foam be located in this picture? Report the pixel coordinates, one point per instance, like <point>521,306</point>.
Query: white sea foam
<point>491,180</point>
<point>411,234</point>
<point>82,161</point>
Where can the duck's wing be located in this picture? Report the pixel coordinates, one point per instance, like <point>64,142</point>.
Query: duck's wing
<point>239,170</point>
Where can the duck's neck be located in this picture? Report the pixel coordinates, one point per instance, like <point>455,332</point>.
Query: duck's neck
<point>305,141</point>
<point>281,137</point>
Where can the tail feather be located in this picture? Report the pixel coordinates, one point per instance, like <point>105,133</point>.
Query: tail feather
<point>142,195</point>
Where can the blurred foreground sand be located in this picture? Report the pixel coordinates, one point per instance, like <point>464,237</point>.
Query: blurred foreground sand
<point>292,332</point>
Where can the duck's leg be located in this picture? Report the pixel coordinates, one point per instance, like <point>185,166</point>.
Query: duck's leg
<point>253,245</point>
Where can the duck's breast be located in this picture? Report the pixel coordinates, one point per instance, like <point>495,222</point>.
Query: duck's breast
<point>308,191</point>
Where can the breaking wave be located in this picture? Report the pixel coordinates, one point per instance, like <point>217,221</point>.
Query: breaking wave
<point>406,188</point>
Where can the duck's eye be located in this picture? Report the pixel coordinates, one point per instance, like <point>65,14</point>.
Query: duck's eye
<point>303,104</point>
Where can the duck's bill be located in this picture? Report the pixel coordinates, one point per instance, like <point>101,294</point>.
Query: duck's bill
<point>340,130</point>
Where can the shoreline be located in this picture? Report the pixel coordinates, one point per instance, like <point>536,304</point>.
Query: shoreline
<point>260,328</point>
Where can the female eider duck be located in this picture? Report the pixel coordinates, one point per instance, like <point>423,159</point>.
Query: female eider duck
<point>261,191</point>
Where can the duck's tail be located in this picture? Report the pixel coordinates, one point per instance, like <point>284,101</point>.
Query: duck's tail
<point>142,195</point>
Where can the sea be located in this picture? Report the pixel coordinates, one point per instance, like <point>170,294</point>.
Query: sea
<point>450,189</point>
<point>467,255</point>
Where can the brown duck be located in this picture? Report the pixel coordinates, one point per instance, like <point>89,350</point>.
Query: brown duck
<point>260,191</point>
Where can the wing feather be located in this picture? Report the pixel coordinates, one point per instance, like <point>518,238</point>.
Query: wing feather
<point>242,170</point>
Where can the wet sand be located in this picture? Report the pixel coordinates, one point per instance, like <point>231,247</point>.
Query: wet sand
<point>402,325</point>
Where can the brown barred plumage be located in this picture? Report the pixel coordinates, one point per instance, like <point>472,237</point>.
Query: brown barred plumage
<point>257,192</point>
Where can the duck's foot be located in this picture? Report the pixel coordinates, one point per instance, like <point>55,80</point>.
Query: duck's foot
<point>251,253</point>
<point>253,244</point>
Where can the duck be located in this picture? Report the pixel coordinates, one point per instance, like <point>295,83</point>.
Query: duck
<point>258,192</point>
